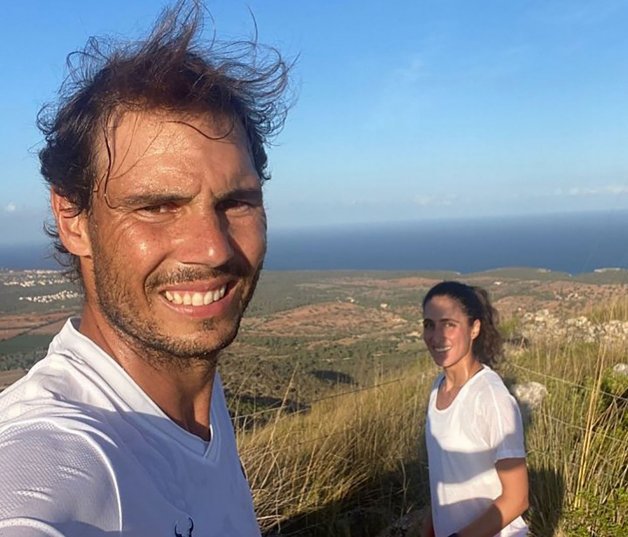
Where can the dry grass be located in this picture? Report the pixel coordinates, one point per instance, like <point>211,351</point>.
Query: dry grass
<point>345,458</point>
<point>616,309</point>
<point>354,463</point>
<point>578,442</point>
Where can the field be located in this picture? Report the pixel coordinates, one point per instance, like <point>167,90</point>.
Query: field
<point>328,380</point>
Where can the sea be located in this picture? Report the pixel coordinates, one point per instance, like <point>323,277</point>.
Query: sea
<point>574,243</point>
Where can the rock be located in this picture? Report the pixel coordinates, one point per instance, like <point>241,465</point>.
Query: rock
<point>530,397</point>
<point>544,325</point>
<point>621,369</point>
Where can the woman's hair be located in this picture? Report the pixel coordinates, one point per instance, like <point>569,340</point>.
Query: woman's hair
<point>488,345</point>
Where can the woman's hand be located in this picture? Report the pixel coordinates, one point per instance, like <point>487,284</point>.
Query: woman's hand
<point>512,502</point>
<point>427,529</point>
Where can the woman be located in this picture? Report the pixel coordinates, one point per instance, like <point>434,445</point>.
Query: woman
<point>474,435</point>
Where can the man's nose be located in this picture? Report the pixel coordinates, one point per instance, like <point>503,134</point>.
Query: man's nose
<point>204,239</point>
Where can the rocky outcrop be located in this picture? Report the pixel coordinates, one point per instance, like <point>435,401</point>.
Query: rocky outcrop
<point>530,396</point>
<point>621,369</point>
<point>545,325</point>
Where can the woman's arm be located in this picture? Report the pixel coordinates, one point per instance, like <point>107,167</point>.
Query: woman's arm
<point>427,528</point>
<point>512,502</point>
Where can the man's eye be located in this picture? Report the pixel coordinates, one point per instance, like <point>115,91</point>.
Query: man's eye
<point>161,208</point>
<point>235,205</point>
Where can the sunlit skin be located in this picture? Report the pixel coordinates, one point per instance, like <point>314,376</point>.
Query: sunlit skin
<point>181,214</point>
<point>449,334</point>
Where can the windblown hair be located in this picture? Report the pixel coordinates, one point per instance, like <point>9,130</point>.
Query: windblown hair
<point>170,71</point>
<point>475,302</point>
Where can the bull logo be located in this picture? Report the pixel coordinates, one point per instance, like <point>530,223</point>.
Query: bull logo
<point>185,533</point>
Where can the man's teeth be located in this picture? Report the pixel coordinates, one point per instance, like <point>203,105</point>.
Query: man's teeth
<point>195,299</point>
<point>441,349</point>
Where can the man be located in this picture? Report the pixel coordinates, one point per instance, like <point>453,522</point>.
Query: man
<point>155,159</point>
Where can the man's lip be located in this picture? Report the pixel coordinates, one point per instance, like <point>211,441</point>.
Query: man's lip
<point>195,299</point>
<point>212,303</point>
<point>197,286</point>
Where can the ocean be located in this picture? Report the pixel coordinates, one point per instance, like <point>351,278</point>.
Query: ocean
<point>573,243</point>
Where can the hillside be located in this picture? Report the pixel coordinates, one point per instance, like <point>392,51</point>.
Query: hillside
<point>328,380</point>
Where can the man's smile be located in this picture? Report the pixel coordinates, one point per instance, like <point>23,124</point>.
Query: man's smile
<point>195,298</point>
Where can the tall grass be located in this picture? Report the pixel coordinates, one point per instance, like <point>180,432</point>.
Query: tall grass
<point>354,463</point>
<point>349,460</point>
<point>615,310</point>
<point>578,441</point>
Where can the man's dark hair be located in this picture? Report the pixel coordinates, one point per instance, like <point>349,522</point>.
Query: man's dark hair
<point>475,302</point>
<point>242,82</point>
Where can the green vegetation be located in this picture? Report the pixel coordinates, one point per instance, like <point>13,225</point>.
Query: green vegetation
<point>23,351</point>
<point>25,343</point>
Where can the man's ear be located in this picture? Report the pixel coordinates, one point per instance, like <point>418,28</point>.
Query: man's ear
<point>72,227</point>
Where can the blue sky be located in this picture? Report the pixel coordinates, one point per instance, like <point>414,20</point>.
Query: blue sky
<point>406,110</point>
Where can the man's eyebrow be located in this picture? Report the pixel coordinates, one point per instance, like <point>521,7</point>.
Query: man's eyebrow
<point>152,198</point>
<point>253,195</point>
<point>245,194</point>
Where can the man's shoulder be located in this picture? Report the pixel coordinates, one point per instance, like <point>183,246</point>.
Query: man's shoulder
<point>37,418</point>
<point>66,469</point>
<point>69,382</point>
<point>46,389</point>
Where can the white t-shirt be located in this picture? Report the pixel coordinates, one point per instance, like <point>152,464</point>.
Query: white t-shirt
<point>464,441</point>
<point>84,452</point>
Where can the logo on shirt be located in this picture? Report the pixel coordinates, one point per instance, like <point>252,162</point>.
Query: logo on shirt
<point>178,532</point>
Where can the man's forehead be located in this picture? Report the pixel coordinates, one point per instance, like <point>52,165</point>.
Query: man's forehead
<point>133,135</point>
<point>129,125</point>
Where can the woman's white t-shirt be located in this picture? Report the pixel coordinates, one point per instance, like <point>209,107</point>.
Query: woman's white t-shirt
<point>464,441</point>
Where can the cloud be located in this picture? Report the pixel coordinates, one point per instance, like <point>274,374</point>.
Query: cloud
<point>399,101</point>
<point>434,201</point>
<point>580,192</point>
<point>409,73</point>
<point>10,207</point>
<point>618,189</point>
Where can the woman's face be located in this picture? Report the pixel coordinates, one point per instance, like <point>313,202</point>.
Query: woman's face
<point>448,332</point>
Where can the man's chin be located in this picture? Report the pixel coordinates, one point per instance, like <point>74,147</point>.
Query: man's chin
<point>198,344</point>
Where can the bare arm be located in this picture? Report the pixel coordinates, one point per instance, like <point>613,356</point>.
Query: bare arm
<point>512,502</point>
<point>427,528</point>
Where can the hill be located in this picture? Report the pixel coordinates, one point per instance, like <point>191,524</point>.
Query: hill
<point>328,379</point>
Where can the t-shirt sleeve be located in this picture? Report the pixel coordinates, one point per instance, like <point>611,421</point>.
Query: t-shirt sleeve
<point>54,483</point>
<point>499,423</point>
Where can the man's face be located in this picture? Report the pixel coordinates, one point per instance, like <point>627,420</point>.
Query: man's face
<point>177,234</point>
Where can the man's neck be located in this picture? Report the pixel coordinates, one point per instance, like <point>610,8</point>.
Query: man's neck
<point>181,389</point>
